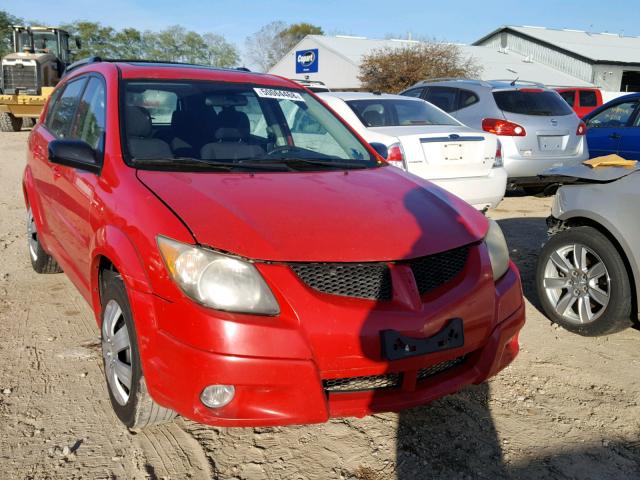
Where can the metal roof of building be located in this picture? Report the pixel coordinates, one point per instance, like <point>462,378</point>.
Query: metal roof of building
<point>597,47</point>
<point>494,64</point>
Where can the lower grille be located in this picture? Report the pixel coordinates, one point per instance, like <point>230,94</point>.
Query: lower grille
<point>388,380</point>
<point>436,270</point>
<point>427,372</point>
<point>19,77</point>
<point>359,280</point>
<point>355,384</point>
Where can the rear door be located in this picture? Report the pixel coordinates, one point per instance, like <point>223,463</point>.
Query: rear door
<point>46,174</point>
<point>550,123</point>
<point>606,127</point>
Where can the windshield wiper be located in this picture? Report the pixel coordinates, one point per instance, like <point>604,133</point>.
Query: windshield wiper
<point>190,163</point>
<point>298,162</point>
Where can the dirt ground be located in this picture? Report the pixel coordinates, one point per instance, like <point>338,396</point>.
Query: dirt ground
<point>568,408</point>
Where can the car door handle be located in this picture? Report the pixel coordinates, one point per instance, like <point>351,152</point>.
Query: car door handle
<point>614,136</point>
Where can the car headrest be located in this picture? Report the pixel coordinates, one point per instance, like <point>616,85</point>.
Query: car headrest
<point>373,118</point>
<point>231,118</point>
<point>138,122</point>
<point>227,134</point>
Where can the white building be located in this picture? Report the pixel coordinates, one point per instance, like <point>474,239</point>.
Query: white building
<point>608,60</point>
<point>335,61</point>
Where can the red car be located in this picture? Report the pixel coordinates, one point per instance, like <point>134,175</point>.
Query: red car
<point>582,100</point>
<point>250,260</point>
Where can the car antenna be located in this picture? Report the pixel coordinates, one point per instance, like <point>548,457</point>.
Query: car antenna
<point>513,84</point>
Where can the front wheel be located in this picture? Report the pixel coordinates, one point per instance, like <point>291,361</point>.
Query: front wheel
<point>10,123</point>
<point>130,399</point>
<point>583,283</point>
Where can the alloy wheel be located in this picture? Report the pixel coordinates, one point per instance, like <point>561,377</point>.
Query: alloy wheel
<point>577,283</point>
<point>116,350</point>
<point>32,235</point>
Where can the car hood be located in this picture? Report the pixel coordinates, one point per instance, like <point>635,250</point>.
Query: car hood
<point>379,214</point>
<point>585,174</point>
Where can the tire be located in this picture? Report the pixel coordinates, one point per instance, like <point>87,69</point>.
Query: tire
<point>128,393</point>
<point>534,190</point>
<point>592,300</point>
<point>28,122</point>
<point>41,261</point>
<point>9,123</point>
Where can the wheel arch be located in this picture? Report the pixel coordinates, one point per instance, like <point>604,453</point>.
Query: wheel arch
<point>613,235</point>
<point>115,251</point>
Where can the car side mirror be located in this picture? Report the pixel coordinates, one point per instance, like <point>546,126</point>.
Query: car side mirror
<point>78,43</point>
<point>380,148</point>
<point>75,154</point>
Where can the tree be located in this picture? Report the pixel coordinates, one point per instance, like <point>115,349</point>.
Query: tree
<point>269,44</point>
<point>6,35</point>
<point>97,40</point>
<point>394,69</point>
<point>296,32</point>
<point>219,52</point>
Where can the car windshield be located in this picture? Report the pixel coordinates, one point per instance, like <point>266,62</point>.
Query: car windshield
<point>532,102</point>
<point>195,124</point>
<point>398,113</point>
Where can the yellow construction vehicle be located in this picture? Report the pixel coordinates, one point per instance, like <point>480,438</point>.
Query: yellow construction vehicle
<point>40,55</point>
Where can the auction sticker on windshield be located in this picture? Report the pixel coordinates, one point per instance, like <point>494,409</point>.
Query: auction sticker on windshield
<point>279,94</point>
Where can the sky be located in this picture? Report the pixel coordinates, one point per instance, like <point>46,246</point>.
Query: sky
<point>461,21</point>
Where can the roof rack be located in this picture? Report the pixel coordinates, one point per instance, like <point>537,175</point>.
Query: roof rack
<point>95,59</point>
<point>448,79</point>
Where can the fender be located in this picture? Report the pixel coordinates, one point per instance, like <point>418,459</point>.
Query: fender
<point>32,200</point>
<point>607,225</point>
<point>115,245</point>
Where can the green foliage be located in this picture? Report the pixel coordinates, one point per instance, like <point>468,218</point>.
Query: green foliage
<point>6,20</point>
<point>174,44</point>
<point>269,44</point>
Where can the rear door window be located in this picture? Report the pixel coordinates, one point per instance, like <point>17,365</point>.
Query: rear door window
<point>532,102</point>
<point>414,92</point>
<point>443,98</point>
<point>569,97</point>
<point>65,108</point>
<point>588,98</point>
<point>398,113</point>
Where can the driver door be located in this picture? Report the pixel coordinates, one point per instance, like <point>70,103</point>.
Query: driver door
<point>606,128</point>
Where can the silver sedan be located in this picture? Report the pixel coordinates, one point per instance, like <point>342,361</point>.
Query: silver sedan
<point>588,274</point>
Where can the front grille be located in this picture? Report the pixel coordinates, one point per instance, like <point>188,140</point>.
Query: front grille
<point>355,384</point>
<point>427,372</point>
<point>360,280</point>
<point>435,270</point>
<point>387,380</point>
<point>19,77</point>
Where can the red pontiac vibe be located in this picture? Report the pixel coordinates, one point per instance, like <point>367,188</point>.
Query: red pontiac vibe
<point>250,260</point>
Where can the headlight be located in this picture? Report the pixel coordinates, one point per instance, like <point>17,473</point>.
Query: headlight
<point>217,281</point>
<point>498,250</point>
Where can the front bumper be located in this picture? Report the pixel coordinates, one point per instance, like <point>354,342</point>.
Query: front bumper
<point>286,386</point>
<point>480,192</point>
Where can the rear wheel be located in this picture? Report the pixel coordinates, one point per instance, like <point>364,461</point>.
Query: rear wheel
<point>10,123</point>
<point>41,261</point>
<point>127,388</point>
<point>583,283</point>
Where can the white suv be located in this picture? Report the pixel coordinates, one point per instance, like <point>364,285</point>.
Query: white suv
<point>427,142</point>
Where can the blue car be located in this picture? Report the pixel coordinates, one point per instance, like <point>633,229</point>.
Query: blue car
<point>615,128</point>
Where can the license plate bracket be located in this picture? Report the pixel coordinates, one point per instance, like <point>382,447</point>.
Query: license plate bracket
<point>396,346</point>
<point>550,143</point>
<point>452,151</point>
